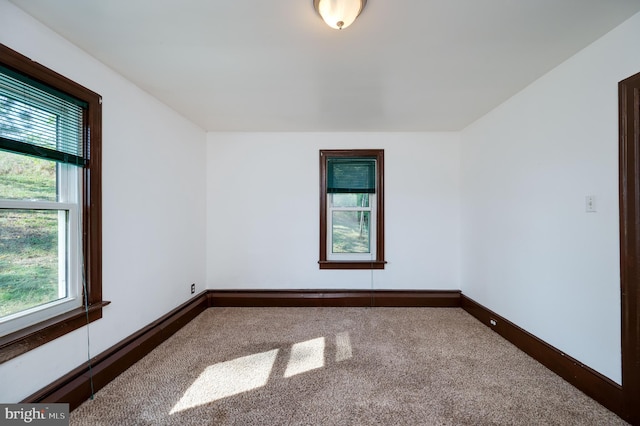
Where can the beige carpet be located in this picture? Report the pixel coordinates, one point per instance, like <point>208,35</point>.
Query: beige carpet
<point>339,366</point>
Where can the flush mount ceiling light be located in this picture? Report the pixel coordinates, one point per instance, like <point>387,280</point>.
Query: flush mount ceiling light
<point>339,14</point>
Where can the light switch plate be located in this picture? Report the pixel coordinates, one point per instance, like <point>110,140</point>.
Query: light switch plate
<point>590,203</point>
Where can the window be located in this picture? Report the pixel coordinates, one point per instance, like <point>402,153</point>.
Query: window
<point>352,209</point>
<point>50,218</point>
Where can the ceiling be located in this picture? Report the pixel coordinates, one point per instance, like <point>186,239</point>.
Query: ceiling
<point>404,65</point>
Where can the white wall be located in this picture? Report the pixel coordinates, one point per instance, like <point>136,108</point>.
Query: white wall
<point>530,251</point>
<point>263,218</point>
<point>153,207</point>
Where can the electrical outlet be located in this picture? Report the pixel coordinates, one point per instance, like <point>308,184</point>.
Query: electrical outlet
<point>193,288</point>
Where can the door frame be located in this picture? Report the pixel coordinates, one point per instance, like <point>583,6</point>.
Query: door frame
<point>629,196</point>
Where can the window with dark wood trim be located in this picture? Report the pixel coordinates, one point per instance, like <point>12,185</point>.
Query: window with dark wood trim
<point>352,209</point>
<point>32,336</point>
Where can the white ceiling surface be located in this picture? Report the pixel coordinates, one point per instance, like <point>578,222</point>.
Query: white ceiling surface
<point>404,65</point>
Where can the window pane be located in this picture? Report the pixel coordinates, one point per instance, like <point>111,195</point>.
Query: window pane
<point>28,259</point>
<point>350,232</point>
<point>26,178</point>
<point>350,200</point>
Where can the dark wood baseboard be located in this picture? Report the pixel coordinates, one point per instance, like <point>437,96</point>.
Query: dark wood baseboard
<point>75,387</point>
<point>334,298</point>
<point>600,388</point>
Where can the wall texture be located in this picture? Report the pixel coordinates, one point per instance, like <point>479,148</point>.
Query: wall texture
<point>530,251</point>
<point>153,207</point>
<point>263,218</point>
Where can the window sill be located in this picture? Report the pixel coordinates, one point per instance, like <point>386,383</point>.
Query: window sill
<point>15,344</point>
<point>367,264</point>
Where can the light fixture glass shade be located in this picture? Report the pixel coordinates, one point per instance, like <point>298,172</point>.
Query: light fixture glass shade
<point>339,14</point>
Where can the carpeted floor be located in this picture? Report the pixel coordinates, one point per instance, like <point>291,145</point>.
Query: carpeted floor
<point>339,366</point>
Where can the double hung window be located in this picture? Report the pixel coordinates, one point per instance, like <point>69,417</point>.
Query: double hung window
<point>50,269</point>
<point>351,209</point>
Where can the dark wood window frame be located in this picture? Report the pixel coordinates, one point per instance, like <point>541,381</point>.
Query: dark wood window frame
<point>378,155</point>
<point>31,337</point>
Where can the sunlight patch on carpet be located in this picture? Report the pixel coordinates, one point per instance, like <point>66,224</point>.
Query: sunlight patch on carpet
<point>305,356</point>
<point>228,378</point>
<point>343,347</point>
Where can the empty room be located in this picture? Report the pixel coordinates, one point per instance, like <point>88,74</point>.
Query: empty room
<point>320,212</point>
